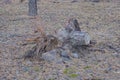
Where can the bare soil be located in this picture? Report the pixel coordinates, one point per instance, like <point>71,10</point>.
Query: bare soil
<point>101,20</point>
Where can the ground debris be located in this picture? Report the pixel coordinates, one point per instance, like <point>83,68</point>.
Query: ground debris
<point>44,44</point>
<point>72,42</point>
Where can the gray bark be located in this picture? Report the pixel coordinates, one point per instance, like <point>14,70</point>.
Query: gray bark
<point>32,7</point>
<point>72,34</point>
<point>73,25</point>
<point>78,38</point>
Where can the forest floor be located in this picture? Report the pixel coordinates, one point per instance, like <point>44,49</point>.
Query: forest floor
<point>101,20</point>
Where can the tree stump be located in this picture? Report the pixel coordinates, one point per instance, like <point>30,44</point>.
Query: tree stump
<point>72,34</point>
<point>78,38</point>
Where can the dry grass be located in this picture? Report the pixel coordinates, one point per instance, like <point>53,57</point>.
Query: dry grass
<point>100,20</point>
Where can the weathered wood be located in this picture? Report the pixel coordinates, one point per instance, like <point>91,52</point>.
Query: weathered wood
<point>32,7</point>
<point>72,34</point>
<point>63,33</point>
<point>78,38</point>
<point>73,25</point>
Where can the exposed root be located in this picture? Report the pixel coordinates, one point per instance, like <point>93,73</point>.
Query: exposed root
<point>45,44</point>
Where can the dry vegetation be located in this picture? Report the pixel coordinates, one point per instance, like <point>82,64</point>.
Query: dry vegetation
<point>101,20</point>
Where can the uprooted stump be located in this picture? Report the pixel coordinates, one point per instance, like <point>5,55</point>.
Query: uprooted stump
<point>72,39</point>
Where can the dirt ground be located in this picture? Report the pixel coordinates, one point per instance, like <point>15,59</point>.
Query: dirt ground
<point>101,20</point>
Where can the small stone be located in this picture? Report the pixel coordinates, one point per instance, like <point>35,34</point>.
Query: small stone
<point>65,59</point>
<point>74,1</point>
<point>95,0</point>
<point>25,69</point>
<point>52,56</point>
<point>108,70</point>
<point>75,55</point>
<point>64,54</point>
<point>29,62</point>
